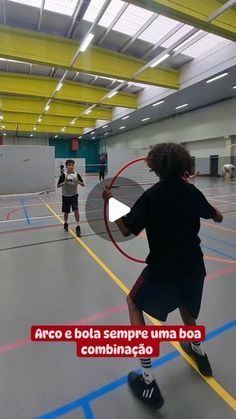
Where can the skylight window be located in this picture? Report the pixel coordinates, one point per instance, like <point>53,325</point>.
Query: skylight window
<point>205,44</point>
<point>93,10</point>
<point>111,12</point>
<point>159,28</point>
<point>178,35</point>
<point>61,6</point>
<point>191,38</point>
<point>132,20</point>
<point>34,3</point>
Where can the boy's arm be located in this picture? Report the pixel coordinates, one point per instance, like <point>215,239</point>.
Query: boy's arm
<point>121,226</point>
<point>80,180</point>
<point>206,210</point>
<point>61,181</point>
<point>134,221</point>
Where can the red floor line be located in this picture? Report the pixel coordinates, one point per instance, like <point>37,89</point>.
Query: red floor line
<point>11,212</point>
<point>20,230</point>
<point>100,315</point>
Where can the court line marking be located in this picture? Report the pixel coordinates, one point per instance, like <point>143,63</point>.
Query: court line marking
<point>107,388</point>
<point>224,202</point>
<point>208,236</point>
<point>211,381</point>
<point>219,227</point>
<point>27,217</point>
<point>93,317</point>
<point>10,346</point>
<point>88,411</point>
<point>218,251</point>
<point>220,196</point>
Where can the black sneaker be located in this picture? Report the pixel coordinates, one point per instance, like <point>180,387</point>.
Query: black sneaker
<point>66,226</point>
<point>202,361</point>
<point>147,393</point>
<point>78,231</point>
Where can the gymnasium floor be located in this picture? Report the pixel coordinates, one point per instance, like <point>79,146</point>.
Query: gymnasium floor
<point>48,277</point>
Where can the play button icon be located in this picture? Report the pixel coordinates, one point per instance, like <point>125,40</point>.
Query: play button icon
<point>116,210</point>
<point>125,193</point>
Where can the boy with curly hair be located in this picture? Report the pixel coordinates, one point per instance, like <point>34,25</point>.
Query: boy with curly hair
<point>170,212</point>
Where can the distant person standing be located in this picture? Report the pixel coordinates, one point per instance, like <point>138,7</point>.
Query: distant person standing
<point>62,168</point>
<point>69,182</point>
<point>228,171</point>
<point>102,169</point>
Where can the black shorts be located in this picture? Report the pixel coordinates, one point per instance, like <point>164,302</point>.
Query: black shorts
<point>69,202</point>
<point>159,298</point>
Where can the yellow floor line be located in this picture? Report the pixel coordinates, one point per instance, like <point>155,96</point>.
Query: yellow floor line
<point>211,381</point>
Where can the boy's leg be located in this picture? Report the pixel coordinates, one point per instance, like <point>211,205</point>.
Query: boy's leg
<point>77,218</point>
<point>194,349</point>
<point>144,386</point>
<point>65,210</point>
<point>65,221</point>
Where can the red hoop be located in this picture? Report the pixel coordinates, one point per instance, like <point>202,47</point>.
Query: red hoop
<point>105,211</point>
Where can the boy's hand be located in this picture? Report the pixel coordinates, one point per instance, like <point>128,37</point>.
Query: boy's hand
<point>218,217</point>
<point>107,194</point>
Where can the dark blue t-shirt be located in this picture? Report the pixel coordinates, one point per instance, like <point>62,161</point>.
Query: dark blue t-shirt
<point>170,213</point>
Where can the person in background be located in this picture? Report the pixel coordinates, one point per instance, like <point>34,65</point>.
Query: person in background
<point>69,182</point>
<point>228,170</point>
<point>102,169</point>
<point>62,168</point>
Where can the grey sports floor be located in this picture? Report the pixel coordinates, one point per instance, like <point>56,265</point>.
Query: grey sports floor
<point>48,277</point>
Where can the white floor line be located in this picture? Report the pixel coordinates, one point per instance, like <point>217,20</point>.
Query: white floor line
<point>225,202</point>
<point>42,216</point>
<point>220,196</point>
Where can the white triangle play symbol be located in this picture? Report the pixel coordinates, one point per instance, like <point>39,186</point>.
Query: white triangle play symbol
<point>116,210</point>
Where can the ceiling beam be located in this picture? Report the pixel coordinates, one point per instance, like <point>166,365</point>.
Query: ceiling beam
<point>36,106</point>
<point>58,52</point>
<point>198,13</point>
<point>35,86</point>
<point>43,128</point>
<point>59,121</point>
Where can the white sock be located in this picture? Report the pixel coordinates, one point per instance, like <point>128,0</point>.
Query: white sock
<point>146,364</point>
<point>197,347</point>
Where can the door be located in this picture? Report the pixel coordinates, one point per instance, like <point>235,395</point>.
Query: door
<point>214,162</point>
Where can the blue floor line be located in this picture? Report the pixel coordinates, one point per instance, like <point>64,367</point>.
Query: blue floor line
<point>25,211</point>
<point>208,236</point>
<point>218,252</point>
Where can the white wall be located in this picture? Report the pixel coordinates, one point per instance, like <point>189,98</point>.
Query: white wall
<point>27,169</point>
<point>203,149</point>
<point>11,140</point>
<point>213,121</point>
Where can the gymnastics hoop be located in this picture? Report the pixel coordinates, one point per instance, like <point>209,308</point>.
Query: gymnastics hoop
<point>121,170</point>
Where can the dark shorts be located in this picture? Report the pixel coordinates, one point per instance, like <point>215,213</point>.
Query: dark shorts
<point>69,202</point>
<point>159,298</point>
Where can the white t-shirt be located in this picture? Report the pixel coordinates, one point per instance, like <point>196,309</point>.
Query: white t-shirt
<point>228,167</point>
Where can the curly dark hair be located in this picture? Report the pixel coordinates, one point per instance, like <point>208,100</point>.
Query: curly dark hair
<point>169,159</point>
